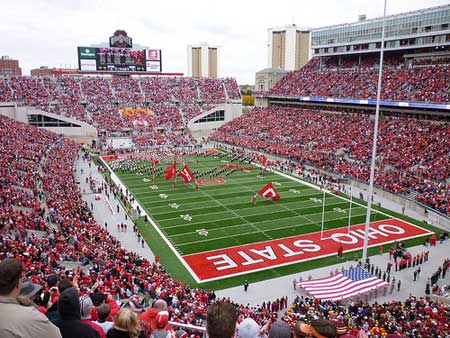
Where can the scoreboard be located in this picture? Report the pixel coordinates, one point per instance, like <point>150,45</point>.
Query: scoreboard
<point>119,59</point>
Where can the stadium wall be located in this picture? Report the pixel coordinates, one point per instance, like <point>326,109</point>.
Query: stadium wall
<point>9,109</point>
<point>85,133</point>
<point>203,129</point>
<point>261,102</point>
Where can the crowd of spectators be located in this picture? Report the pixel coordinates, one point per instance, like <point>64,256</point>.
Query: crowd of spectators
<point>416,317</point>
<point>412,153</point>
<point>97,101</point>
<point>108,275</point>
<point>356,78</point>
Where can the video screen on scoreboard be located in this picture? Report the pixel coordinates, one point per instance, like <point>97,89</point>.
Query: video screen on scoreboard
<point>120,59</point>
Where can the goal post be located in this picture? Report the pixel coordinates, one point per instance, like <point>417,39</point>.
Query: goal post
<point>349,222</point>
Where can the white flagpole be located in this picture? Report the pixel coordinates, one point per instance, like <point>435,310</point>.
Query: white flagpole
<point>374,146</point>
<point>323,213</point>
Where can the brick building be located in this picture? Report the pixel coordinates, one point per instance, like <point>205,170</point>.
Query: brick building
<point>9,67</point>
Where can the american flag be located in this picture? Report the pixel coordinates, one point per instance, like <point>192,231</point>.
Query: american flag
<point>342,285</point>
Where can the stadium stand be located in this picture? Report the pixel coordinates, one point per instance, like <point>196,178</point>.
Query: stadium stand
<point>412,318</point>
<point>172,101</point>
<point>351,79</point>
<point>413,153</point>
<point>45,224</point>
<point>52,203</point>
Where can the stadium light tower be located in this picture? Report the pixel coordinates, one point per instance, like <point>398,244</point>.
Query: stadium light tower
<point>374,145</point>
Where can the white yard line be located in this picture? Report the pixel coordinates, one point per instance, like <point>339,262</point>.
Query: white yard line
<point>263,213</point>
<point>246,233</point>
<point>238,225</point>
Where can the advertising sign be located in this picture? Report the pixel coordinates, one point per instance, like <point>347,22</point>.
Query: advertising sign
<point>153,66</point>
<point>153,54</point>
<point>87,53</point>
<point>88,65</point>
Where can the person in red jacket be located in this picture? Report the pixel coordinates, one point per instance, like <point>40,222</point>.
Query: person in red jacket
<point>101,298</point>
<point>340,251</point>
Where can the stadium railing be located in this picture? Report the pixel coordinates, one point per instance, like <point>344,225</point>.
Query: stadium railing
<point>188,326</point>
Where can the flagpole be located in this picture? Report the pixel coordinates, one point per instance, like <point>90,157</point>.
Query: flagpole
<point>323,213</point>
<point>374,146</point>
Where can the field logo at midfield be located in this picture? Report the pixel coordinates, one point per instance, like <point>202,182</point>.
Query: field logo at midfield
<point>242,259</point>
<point>212,181</point>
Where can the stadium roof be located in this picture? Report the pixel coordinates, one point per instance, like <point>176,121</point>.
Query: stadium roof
<point>272,70</point>
<point>393,16</point>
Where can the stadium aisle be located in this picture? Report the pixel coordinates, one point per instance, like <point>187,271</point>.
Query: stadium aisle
<point>103,213</point>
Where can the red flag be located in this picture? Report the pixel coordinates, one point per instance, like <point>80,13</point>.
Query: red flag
<point>186,174</point>
<point>263,160</point>
<point>269,192</point>
<point>154,163</point>
<point>171,171</point>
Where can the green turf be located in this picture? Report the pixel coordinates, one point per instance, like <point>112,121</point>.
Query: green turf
<point>230,218</point>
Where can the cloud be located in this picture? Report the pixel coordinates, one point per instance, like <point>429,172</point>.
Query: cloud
<point>47,32</point>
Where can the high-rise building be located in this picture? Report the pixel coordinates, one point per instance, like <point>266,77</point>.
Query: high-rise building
<point>9,67</point>
<point>203,60</point>
<point>288,47</point>
<point>424,31</point>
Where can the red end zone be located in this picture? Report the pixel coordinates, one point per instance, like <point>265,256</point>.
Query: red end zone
<point>228,262</point>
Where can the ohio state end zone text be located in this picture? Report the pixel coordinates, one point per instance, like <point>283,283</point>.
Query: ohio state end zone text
<point>242,259</point>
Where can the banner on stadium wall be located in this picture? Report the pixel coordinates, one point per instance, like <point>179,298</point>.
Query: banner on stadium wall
<point>130,112</point>
<point>358,101</point>
<point>242,259</point>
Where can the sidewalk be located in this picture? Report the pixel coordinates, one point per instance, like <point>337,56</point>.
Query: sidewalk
<point>103,213</point>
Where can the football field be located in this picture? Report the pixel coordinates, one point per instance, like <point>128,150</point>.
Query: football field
<point>216,232</point>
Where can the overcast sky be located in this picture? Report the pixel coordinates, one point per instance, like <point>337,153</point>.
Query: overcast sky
<point>47,32</point>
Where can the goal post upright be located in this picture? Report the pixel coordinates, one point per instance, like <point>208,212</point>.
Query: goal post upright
<point>323,215</point>
<point>350,210</point>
